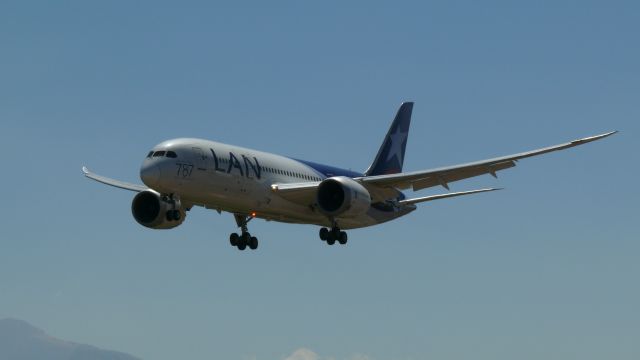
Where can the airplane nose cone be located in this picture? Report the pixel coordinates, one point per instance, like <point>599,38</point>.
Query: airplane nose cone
<point>150,174</point>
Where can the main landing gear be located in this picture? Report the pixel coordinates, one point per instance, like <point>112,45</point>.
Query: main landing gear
<point>244,239</point>
<point>333,235</point>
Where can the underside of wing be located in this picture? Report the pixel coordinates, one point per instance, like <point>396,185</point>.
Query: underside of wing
<point>443,176</point>
<point>113,182</point>
<point>299,193</point>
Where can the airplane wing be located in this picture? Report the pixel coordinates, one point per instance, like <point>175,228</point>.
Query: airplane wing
<point>301,193</point>
<point>113,182</point>
<point>385,187</point>
<point>443,176</point>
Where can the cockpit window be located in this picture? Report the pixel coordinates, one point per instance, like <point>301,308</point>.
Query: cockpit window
<point>150,154</point>
<point>171,154</point>
<point>159,153</point>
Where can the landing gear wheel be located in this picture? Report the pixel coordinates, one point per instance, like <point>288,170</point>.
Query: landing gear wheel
<point>233,239</point>
<point>342,239</point>
<point>324,234</point>
<point>245,239</point>
<point>173,215</point>
<point>253,243</point>
<point>334,234</point>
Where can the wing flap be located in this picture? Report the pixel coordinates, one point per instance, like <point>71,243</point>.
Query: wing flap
<point>445,178</point>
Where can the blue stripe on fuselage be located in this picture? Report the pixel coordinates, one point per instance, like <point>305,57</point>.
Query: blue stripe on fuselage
<point>330,171</point>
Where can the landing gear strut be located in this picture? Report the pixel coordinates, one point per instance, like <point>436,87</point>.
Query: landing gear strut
<point>332,235</point>
<point>244,239</point>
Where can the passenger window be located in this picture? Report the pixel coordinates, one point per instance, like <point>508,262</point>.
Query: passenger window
<point>171,154</point>
<point>159,153</point>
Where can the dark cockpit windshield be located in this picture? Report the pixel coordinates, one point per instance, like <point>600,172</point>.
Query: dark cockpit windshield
<point>162,153</point>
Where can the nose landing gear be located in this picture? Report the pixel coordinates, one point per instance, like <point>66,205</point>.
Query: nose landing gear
<point>244,239</point>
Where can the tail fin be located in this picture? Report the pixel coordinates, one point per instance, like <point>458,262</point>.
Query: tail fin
<point>391,154</point>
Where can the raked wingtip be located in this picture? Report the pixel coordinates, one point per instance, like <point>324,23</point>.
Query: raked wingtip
<point>594,138</point>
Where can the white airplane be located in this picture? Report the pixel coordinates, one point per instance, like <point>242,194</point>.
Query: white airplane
<point>182,173</point>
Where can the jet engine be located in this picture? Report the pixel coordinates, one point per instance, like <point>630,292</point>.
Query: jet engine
<point>155,211</point>
<point>342,196</point>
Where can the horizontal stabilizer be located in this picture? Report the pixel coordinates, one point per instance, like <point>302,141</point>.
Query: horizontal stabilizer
<point>443,196</point>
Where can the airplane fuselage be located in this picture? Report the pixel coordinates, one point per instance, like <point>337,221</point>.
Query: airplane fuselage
<point>239,180</point>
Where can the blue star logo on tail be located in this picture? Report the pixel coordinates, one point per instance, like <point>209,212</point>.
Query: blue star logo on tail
<point>397,139</point>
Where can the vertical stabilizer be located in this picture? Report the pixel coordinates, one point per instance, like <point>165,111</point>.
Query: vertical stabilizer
<point>391,154</point>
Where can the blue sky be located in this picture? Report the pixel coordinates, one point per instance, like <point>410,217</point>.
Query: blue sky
<point>547,268</point>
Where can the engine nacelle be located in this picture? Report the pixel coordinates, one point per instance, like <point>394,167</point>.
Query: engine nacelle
<point>342,196</point>
<point>154,211</point>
